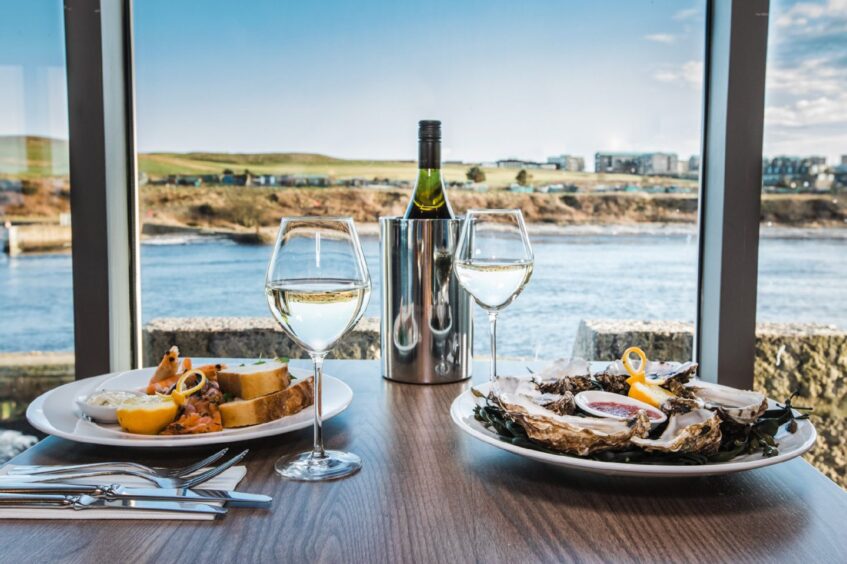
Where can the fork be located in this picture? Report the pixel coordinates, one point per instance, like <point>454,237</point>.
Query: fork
<point>161,472</point>
<point>161,482</point>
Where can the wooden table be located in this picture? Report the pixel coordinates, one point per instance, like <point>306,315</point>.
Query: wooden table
<point>429,493</point>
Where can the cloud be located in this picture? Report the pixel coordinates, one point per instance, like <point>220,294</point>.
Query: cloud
<point>805,14</point>
<point>824,110</point>
<point>690,73</point>
<point>806,87</point>
<point>688,14</point>
<point>660,37</point>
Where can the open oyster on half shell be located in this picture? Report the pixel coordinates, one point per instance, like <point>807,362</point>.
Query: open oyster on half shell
<point>740,406</point>
<point>698,431</point>
<point>522,401</point>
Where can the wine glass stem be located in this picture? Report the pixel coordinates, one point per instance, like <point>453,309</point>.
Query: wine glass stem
<point>492,318</point>
<point>318,446</point>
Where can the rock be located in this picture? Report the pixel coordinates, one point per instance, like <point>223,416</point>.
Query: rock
<point>607,339</point>
<point>25,376</point>
<point>246,337</point>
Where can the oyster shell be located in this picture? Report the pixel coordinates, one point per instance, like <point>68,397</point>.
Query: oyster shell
<point>740,406</point>
<point>563,404</point>
<point>613,378</point>
<point>670,375</point>
<point>680,405</point>
<point>522,401</point>
<point>565,376</point>
<point>698,431</point>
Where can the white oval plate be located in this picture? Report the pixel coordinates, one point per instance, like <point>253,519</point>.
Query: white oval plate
<point>56,413</point>
<point>790,446</point>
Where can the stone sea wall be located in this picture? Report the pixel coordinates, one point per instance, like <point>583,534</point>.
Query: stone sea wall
<point>246,337</point>
<point>808,358</point>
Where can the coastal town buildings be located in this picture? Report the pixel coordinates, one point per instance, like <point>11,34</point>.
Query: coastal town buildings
<point>657,163</point>
<point>518,163</point>
<point>793,173</point>
<point>569,163</point>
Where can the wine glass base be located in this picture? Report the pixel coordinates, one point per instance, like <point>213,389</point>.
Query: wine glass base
<point>305,467</point>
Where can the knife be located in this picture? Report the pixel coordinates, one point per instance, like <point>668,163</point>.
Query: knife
<point>79,502</point>
<point>118,492</point>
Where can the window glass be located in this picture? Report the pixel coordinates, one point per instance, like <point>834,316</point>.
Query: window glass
<point>36,332</point>
<point>585,115</point>
<point>802,297</point>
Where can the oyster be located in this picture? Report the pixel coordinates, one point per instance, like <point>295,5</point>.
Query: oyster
<point>698,431</point>
<point>613,378</point>
<point>675,377</point>
<point>679,405</point>
<point>740,406</point>
<point>563,404</point>
<point>563,376</point>
<point>522,401</point>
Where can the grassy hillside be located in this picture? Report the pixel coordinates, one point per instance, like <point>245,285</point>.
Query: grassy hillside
<point>160,164</point>
<point>28,156</point>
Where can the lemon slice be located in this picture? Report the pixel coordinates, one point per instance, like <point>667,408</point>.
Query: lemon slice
<point>639,375</point>
<point>180,394</point>
<point>147,415</point>
<point>649,393</point>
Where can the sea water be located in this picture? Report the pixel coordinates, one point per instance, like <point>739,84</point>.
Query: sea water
<point>588,275</point>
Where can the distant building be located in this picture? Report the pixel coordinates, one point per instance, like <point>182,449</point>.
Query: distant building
<point>796,173</point>
<point>570,163</point>
<point>839,175</point>
<point>616,162</point>
<point>512,163</point>
<point>637,163</point>
<point>843,160</point>
<point>518,163</point>
<point>694,163</point>
<point>658,164</point>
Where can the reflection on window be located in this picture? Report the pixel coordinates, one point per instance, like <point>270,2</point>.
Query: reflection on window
<point>36,335</point>
<point>802,300</point>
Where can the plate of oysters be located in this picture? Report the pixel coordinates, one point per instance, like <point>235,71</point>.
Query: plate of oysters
<point>633,417</point>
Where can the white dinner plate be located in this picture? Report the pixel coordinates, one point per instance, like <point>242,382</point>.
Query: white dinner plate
<point>790,446</point>
<point>56,413</point>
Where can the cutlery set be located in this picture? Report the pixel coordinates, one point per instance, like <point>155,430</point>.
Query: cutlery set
<point>53,487</point>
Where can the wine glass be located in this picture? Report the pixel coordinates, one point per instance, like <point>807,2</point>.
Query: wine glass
<point>317,288</point>
<point>493,262</point>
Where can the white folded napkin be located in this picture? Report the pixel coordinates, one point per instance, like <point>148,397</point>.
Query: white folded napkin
<point>228,480</point>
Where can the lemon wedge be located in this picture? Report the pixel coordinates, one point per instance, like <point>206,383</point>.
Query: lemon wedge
<point>180,394</point>
<point>147,415</point>
<point>639,375</point>
<point>649,393</point>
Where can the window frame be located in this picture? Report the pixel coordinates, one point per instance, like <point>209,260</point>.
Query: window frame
<point>104,200</point>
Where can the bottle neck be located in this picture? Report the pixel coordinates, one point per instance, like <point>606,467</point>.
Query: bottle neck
<point>429,154</point>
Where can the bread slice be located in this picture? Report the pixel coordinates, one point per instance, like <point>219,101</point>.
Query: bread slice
<point>241,413</point>
<point>254,380</point>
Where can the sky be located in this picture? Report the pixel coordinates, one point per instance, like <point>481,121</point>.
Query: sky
<point>350,79</point>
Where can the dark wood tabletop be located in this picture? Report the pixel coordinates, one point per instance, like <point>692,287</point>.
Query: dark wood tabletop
<point>430,493</point>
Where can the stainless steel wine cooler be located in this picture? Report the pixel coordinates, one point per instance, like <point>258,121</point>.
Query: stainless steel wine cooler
<point>427,318</point>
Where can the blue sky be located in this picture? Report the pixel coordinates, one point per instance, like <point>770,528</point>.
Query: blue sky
<point>350,79</point>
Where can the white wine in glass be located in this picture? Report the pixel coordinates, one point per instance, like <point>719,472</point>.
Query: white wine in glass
<point>317,288</point>
<point>493,262</point>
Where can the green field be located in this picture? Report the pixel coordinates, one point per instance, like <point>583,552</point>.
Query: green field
<point>29,157</point>
<point>37,156</point>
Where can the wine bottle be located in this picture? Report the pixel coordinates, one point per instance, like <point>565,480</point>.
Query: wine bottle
<point>429,200</point>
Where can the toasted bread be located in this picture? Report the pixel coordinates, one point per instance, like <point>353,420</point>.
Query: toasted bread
<point>241,413</point>
<point>254,380</point>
